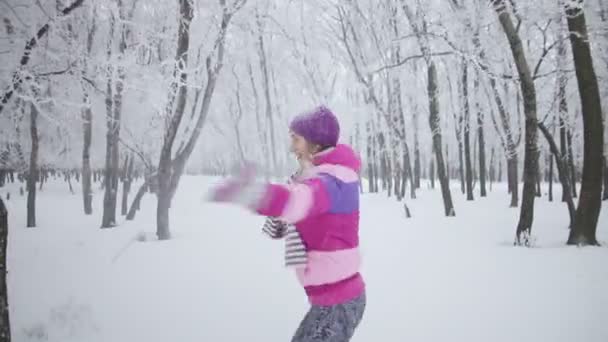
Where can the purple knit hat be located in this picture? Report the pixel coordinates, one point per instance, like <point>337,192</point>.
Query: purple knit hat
<point>319,126</point>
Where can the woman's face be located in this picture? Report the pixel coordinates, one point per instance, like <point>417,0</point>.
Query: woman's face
<point>300,147</point>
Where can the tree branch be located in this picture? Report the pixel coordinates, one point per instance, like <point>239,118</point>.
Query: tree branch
<point>409,58</point>
<point>25,58</point>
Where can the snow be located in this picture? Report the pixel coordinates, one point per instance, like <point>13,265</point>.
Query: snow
<point>429,278</point>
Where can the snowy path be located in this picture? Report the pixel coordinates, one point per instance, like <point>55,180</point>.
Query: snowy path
<point>429,278</point>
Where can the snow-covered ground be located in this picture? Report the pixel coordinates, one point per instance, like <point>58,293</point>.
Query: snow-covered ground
<point>430,278</point>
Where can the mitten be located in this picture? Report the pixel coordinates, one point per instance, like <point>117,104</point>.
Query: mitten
<point>241,189</point>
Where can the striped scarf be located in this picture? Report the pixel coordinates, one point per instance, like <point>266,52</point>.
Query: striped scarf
<point>295,250</point>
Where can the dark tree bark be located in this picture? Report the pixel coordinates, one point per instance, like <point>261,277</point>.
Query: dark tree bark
<point>179,87</point>
<point>434,117</point>
<point>126,184</point>
<point>492,171</point>
<point>87,191</point>
<point>434,123</point>
<point>481,141</point>
<point>467,135</point>
<point>538,178</point>
<point>571,161</point>
<point>376,155</point>
<point>402,136</point>
<point>563,114</point>
<point>458,128</point>
<point>370,158</point>
<point>589,205</point>
<point>499,177</point>
<point>416,151</point>
<point>605,196</point>
<point>33,169</point>
<point>135,205</point>
<point>550,178</point>
<point>528,90</point>
<point>513,180</point>
<point>432,173</point>
<point>110,178</point>
<point>87,125</point>
<point>510,147</point>
<point>560,160</point>
<point>5,326</point>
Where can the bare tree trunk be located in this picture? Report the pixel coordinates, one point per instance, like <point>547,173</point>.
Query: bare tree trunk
<point>376,151</point>
<point>370,158</point>
<point>126,184</point>
<point>33,169</point>
<point>416,151</point>
<point>458,127</point>
<point>492,172</point>
<point>528,90</point>
<point>68,179</point>
<point>605,196</point>
<point>87,191</point>
<point>434,118</point>
<point>238,117</point>
<point>538,178</point>
<point>135,204</point>
<point>170,171</point>
<point>111,169</point>
<point>481,140</point>
<point>563,112</point>
<point>466,127</point>
<point>432,173</point>
<point>87,125</point>
<point>399,120</point>
<point>550,178</point>
<point>589,205</point>
<point>180,89</point>
<point>560,160</point>
<point>5,326</point>
<point>266,83</point>
<point>261,130</point>
<point>571,161</point>
<point>434,122</point>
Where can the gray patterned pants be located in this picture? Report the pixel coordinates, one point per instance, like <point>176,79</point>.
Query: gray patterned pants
<point>335,323</point>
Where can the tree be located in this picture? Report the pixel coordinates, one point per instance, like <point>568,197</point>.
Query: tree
<point>589,205</point>
<point>33,173</point>
<point>528,90</point>
<point>87,127</point>
<point>114,102</point>
<point>481,140</point>
<point>266,84</point>
<point>561,170</point>
<point>467,126</point>
<point>171,169</point>
<point>5,326</point>
<point>434,118</point>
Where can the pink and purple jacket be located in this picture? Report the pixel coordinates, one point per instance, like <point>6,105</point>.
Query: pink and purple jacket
<point>324,207</point>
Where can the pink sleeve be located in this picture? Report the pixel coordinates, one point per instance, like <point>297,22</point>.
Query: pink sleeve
<point>296,202</point>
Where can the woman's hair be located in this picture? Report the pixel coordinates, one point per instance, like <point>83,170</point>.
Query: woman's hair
<point>316,148</point>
